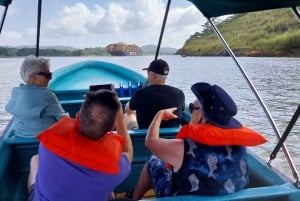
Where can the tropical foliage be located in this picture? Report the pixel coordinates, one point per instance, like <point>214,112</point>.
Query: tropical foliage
<point>267,33</point>
<point>12,52</point>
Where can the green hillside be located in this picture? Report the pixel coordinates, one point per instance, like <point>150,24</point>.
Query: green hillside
<point>267,33</point>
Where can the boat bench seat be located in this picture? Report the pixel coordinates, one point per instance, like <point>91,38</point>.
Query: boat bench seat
<point>263,185</point>
<point>78,94</point>
<point>24,148</point>
<point>73,106</point>
<point>71,100</point>
<point>16,161</point>
<point>29,146</point>
<point>275,193</point>
<point>140,155</point>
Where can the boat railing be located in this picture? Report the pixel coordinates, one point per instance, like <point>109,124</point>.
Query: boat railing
<point>79,94</point>
<point>71,100</point>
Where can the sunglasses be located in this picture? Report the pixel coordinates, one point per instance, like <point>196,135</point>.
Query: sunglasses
<point>47,75</point>
<point>192,107</point>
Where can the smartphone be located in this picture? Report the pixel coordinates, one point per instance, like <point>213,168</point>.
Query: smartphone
<point>101,86</point>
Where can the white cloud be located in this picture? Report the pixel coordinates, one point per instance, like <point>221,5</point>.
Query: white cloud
<point>112,21</point>
<point>14,37</point>
<point>73,21</point>
<point>185,16</point>
<point>182,23</point>
<point>139,22</point>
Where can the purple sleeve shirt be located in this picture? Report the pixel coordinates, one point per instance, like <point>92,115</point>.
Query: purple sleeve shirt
<point>62,180</point>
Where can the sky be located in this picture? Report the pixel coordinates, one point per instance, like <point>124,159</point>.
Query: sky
<point>97,23</point>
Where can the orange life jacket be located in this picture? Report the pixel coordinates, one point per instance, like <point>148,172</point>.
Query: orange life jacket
<point>64,140</point>
<point>212,135</point>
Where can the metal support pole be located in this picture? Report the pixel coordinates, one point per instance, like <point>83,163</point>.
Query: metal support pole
<point>286,133</point>
<point>38,29</point>
<point>296,13</point>
<point>3,18</point>
<point>162,28</point>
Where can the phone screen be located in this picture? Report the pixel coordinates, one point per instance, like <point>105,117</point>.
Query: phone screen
<point>100,86</point>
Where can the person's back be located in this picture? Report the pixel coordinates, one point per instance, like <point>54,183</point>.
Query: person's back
<point>83,159</point>
<point>60,179</point>
<point>153,98</point>
<point>147,101</point>
<point>34,107</point>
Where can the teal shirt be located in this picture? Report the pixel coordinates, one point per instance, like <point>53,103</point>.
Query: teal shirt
<point>34,109</point>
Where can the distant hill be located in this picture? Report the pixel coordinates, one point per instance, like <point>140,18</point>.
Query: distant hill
<point>51,51</point>
<point>267,33</point>
<point>151,49</point>
<point>71,51</point>
<point>56,47</point>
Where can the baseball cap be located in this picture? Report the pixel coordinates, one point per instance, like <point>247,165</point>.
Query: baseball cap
<point>158,66</point>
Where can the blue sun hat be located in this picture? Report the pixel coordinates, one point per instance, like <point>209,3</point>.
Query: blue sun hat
<point>218,107</point>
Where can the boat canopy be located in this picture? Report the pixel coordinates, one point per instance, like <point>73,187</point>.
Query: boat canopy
<point>216,8</point>
<point>5,2</point>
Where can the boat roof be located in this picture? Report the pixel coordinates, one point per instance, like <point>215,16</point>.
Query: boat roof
<point>5,2</point>
<point>216,8</point>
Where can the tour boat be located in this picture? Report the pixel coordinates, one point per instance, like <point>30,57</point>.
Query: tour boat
<point>72,82</point>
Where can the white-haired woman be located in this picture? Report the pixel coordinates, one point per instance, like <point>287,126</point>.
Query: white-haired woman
<point>34,107</point>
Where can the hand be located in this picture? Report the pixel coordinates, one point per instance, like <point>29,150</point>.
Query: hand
<point>168,114</point>
<point>120,112</point>
<point>112,87</point>
<point>77,115</point>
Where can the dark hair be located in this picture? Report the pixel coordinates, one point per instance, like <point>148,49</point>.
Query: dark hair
<point>98,113</point>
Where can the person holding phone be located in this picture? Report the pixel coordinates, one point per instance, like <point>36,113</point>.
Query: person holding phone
<point>84,155</point>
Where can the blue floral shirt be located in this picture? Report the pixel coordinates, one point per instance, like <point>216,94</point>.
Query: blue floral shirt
<point>205,170</point>
<point>211,170</point>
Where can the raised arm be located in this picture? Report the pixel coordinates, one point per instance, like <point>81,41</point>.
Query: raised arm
<point>128,110</point>
<point>168,150</point>
<point>122,130</point>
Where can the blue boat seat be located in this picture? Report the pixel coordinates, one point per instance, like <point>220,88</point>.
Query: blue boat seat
<point>14,166</point>
<point>271,193</point>
<point>78,94</point>
<point>140,155</point>
<point>264,184</point>
<point>73,106</point>
<point>24,148</point>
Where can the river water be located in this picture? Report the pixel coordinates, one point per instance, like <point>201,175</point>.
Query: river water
<point>275,79</point>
